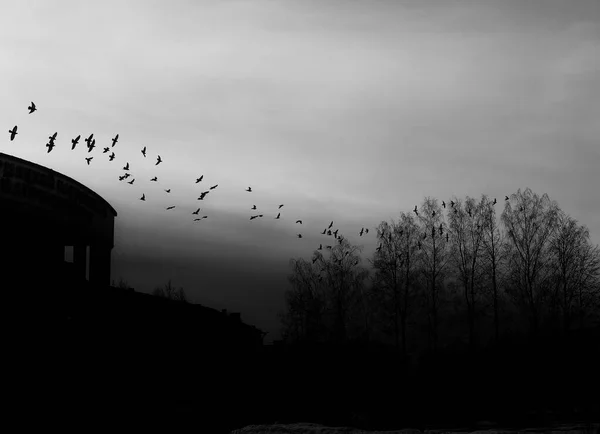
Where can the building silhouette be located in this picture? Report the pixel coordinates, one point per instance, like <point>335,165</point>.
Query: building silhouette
<point>41,213</point>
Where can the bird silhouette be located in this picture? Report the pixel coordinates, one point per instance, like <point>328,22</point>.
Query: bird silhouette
<point>253,207</point>
<point>299,235</point>
<point>131,182</point>
<point>92,145</point>
<point>143,197</point>
<point>330,224</point>
<point>452,204</point>
<point>320,247</point>
<point>203,195</point>
<point>13,133</point>
<point>196,212</point>
<point>505,197</point>
<point>335,232</point>
<point>53,137</point>
<point>158,161</point>
<point>446,236</point>
<point>361,232</point>
<point>204,217</point>
<point>444,204</point>
<point>378,248</point>
<point>197,220</point>
<point>366,231</point>
<point>88,159</point>
<point>114,140</point>
<point>280,206</point>
<point>50,146</point>
<point>126,167</point>
<point>249,190</point>
<point>279,214</point>
<point>170,207</point>
<point>121,178</point>
<point>144,152</point>
<point>105,150</point>
<point>199,179</point>
<point>112,156</point>
<point>126,175</point>
<point>168,191</point>
<point>75,141</point>
<point>328,247</point>
<point>299,221</point>
<point>494,202</point>
<point>329,232</point>
<point>260,215</point>
<point>441,229</point>
<point>324,232</point>
<point>469,212</point>
<point>253,217</point>
<point>214,186</point>
<point>32,107</point>
<point>154,179</point>
<point>89,139</point>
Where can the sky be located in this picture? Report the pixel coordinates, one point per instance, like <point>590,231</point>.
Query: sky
<point>351,111</point>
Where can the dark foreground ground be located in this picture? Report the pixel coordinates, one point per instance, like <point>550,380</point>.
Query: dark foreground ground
<point>130,375</point>
<point>78,378</point>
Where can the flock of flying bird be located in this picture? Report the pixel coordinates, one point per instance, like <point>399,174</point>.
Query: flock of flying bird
<point>91,144</point>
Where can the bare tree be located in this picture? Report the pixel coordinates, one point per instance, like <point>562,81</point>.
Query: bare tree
<point>170,292</point>
<point>434,254</point>
<point>306,302</point>
<point>576,266</point>
<point>530,221</point>
<point>467,233</point>
<point>493,241</point>
<point>395,264</point>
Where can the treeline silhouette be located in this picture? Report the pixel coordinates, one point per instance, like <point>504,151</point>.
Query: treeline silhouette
<point>464,316</point>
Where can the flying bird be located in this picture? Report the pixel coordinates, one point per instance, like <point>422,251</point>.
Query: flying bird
<point>121,178</point>
<point>170,207</point>
<point>126,167</point>
<point>452,204</point>
<point>92,145</point>
<point>88,159</point>
<point>444,204</point>
<point>143,197</point>
<point>328,247</point>
<point>199,179</point>
<point>196,212</point>
<point>366,231</point>
<point>249,190</point>
<point>280,206</point>
<point>378,248</point>
<point>53,137</point>
<point>253,207</point>
<point>415,211</point>
<point>158,161</point>
<point>260,215</point>
<point>214,186</point>
<point>131,182</point>
<point>154,179</point>
<point>50,146</point>
<point>89,139</point>
<point>126,175</point>
<point>13,133</point>
<point>168,191</point>
<point>299,221</point>
<point>32,107</point>
<point>144,152</point>
<point>112,156</point>
<point>75,141</point>
<point>253,217</point>
<point>114,141</point>
<point>446,236</point>
<point>329,232</point>
<point>494,202</point>
<point>361,232</point>
<point>107,149</point>
<point>505,197</point>
<point>197,220</point>
<point>277,216</point>
<point>299,235</point>
<point>330,224</point>
<point>324,232</point>
<point>320,247</point>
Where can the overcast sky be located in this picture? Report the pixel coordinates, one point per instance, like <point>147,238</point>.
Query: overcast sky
<point>350,111</point>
